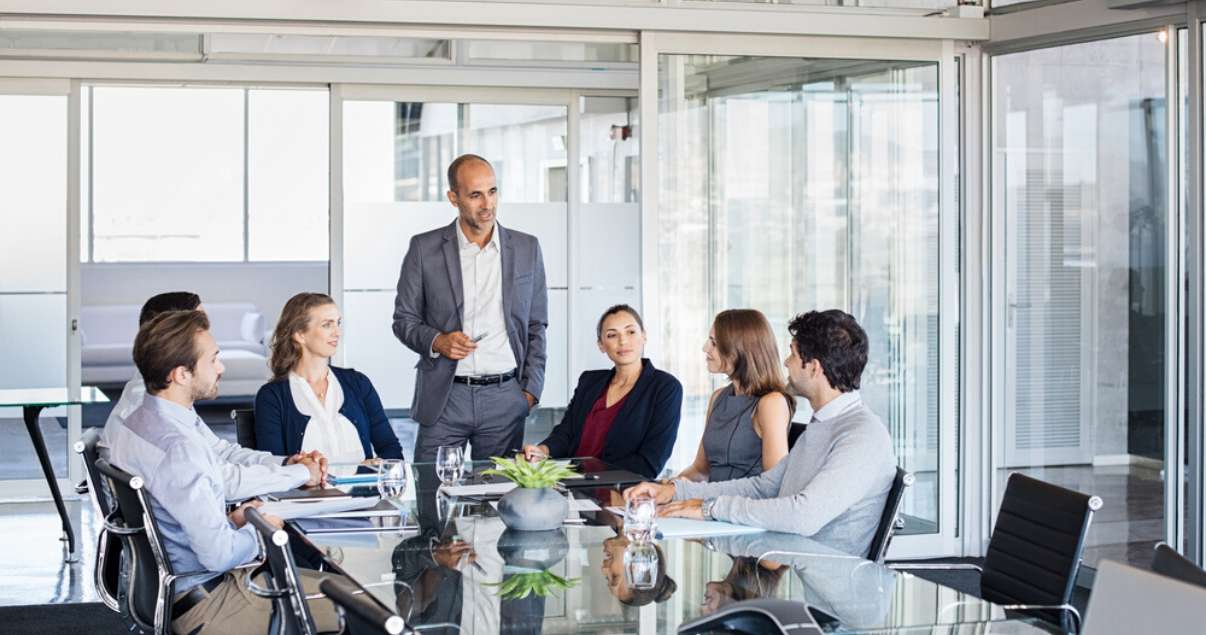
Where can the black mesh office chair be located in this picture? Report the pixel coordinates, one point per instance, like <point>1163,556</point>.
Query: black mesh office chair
<point>108,549</point>
<point>244,427</point>
<point>290,614</point>
<point>1035,551</point>
<point>890,521</point>
<point>794,432</point>
<point>361,614</point>
<point>1167,562</point>
<point>150,583</point>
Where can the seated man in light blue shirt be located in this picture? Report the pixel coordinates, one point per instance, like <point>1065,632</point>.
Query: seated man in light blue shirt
<point>834,483</point>
<point>163,442</point>
<point>245,473</point>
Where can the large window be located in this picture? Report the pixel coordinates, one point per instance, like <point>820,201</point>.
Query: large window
<point>205,174</point>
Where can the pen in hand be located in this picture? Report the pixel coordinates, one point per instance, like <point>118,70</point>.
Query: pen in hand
<point>480,337</point>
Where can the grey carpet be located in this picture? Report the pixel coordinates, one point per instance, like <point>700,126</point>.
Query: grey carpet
<point>61,619</point>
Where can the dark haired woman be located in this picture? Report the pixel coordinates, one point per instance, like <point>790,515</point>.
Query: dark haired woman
<point>309,404</point>
<point>747,420</point>
<point>627,416</point>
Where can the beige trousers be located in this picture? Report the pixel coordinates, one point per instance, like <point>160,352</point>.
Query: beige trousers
<point>232,609</point>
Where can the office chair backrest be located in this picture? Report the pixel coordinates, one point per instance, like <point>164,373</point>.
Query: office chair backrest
<point>290,614</point>
<point>361,614</point>
<point>794,432</point>
<point>1034,554</point>
<point>149,571</point>
<point>887,521</point>
<point>244,427</point>
<point>108,548</point>
<point>1126,600</point>
<point>1166,561</point>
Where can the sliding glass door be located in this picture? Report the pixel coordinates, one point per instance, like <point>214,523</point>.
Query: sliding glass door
<point>790,184</point>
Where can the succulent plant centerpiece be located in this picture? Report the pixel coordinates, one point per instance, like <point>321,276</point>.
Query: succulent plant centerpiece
<point>534,505</point>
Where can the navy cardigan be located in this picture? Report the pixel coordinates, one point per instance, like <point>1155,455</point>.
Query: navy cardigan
<point>642,436</point>
<point>279,427</point>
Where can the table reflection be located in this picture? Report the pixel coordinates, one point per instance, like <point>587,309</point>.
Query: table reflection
<point>462,569</point>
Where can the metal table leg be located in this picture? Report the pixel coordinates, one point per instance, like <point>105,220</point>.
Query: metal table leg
<point>35,435</point>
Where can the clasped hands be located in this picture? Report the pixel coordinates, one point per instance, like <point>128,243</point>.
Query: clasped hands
<point>315,462</point>
<point>663,495</point>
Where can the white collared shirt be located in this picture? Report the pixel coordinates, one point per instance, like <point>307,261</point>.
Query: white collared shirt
<point>328,431</point>
<point>481,279</point>
<point>840,404</point>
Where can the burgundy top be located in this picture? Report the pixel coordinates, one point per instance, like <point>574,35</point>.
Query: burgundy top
<point>598,424</point>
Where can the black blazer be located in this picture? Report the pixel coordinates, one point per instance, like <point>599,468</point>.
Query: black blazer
<point>643,434</point>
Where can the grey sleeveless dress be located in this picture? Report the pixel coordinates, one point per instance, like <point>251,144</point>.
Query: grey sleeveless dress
<point>733,449</point>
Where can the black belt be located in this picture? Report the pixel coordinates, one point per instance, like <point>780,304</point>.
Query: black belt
<point>195,595</point>
<point>485,380</point>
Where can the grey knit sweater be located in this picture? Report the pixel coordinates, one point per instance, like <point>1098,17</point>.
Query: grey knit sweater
<point>832,486</point>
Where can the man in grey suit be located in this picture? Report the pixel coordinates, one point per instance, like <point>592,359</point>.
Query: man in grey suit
<point>472,303</point>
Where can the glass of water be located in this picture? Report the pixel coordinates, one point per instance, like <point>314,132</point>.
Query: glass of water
<point>640,565</point>
<point>450,464</point>
<point>391,478</point>
<point>640,518</point>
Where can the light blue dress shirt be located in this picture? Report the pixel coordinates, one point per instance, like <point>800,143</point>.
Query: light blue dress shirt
<point>163,443</point>
<point>245,473</point>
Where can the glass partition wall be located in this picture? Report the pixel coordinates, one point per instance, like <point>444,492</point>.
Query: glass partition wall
<point>788,185</point>
<point>1080,175</point>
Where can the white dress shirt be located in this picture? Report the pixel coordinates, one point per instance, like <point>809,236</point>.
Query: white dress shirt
<point>328,431</point>
<point>481,279</point>
<point>840,404</point>
<point>245,472</point>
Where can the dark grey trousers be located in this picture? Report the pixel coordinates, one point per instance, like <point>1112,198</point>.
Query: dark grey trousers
<point>491,418</point>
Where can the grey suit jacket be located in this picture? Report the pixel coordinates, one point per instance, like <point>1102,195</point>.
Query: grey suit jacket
<point>431,300</point>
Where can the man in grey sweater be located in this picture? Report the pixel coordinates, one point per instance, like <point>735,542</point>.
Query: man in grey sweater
<point>833,484</point>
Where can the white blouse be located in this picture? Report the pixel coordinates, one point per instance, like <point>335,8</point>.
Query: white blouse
<point>328,431</point>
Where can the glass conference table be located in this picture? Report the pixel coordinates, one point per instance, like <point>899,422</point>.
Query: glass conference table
<point>449,565</point>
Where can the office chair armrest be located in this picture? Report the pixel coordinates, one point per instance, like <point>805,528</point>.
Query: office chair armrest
<point>1060,607</point>
<point>937,566</point>
<point>262,592</point>
<point>81,487</point>
<point>111,526</point>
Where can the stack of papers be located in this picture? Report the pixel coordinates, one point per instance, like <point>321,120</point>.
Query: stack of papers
<point>306,508</point>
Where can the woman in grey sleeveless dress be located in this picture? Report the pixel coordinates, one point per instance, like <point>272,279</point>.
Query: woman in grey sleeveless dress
<point>748,420</point>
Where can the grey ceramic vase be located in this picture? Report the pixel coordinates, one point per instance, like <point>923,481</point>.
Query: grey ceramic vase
<point>533,509</point>
<point>533,550</point>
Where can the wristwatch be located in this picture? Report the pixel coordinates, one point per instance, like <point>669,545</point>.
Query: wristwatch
<point>706,507</point>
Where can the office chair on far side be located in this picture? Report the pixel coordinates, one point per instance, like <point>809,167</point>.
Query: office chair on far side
<point>244,427</point>
<point>1167,562</point>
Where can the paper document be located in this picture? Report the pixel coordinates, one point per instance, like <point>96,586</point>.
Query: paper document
<point>485,489</point>
<point>383,508</point>
<point>288,510</point>
<point>348,474</point>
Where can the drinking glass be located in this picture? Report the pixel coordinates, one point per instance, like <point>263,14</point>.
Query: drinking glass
<point>640,518</point>
<point>450,464</point>
<point>391,478</point>
<point>640,565</point>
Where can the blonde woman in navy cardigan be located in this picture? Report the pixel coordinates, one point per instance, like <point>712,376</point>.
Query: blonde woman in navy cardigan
<point>311,405</point>
<point>627,416</point>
